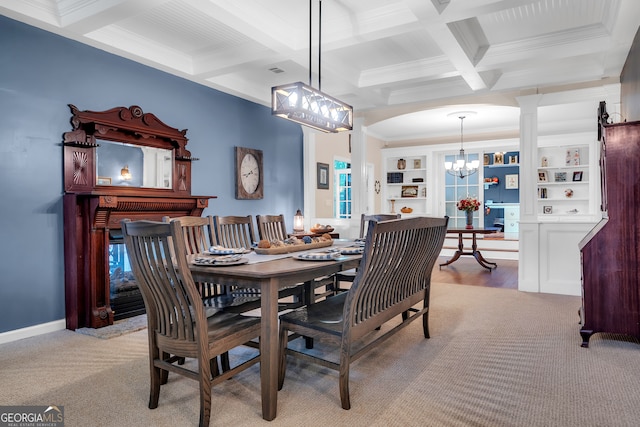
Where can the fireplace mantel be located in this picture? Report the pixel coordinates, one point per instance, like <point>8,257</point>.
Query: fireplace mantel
<point>93,210</point>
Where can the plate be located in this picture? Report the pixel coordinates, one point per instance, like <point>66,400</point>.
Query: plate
<point>211,262</point>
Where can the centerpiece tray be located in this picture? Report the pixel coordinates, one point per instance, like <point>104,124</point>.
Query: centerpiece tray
<point>293,248</point>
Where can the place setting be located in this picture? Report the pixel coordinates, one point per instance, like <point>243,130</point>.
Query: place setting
<point>222,260</point>
<point>221,250</point>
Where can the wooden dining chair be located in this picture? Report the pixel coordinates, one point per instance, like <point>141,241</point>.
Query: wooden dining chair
<point>237,231</point>
<point>198,234</point>
<point>271,227</point>
<point>178,326</point>
<point>393,279</point>
<point>350,275</point>
<point>234,231</point>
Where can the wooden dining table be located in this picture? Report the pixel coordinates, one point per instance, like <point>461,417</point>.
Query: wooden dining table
<point>474,246</point>
<point>270,276</point>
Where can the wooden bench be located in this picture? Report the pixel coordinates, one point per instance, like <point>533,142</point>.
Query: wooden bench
<point>393,277</point>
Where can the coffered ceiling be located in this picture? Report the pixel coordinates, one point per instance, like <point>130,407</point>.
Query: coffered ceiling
<point>385,57</point>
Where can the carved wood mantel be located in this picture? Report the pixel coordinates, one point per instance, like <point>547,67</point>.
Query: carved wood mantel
<point>92,212</point>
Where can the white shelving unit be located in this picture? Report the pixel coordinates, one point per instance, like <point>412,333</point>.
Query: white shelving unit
<point>404,187</point>
<point>564,188</point>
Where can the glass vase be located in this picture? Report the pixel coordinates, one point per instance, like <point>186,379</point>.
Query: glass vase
<point>469,218</point>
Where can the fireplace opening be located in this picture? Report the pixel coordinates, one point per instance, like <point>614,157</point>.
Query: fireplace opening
<point>125,296</point>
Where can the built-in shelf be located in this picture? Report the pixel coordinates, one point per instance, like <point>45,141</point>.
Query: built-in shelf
<point>558,177</point>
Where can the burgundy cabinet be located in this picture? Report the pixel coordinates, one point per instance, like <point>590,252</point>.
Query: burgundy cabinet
<point>611,251</point>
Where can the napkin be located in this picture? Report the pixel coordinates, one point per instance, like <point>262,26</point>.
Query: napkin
<point>352,250</point>
<point>320,255</point>
<point>218,260</point>
<point>221,250</point>
<point>360,242</point>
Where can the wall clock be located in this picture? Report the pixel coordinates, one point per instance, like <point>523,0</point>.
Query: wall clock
<point>249,174</point>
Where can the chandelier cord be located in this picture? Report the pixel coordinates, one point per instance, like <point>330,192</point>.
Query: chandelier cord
<point>310,22</point>
<point>319,45</point>
<point>461,133</point>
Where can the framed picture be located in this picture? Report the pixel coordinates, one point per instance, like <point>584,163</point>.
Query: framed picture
<point>573,157</point>
<point>417,163</point>
<point>577,176</point>
<point>486,159</point>
<point>409,191</point>
<point>511,182</point>
<point>542,176</point>
<point>103,180</point>
<point>560,177</point>
<point>542,193</point>
<point>547,209</point>
<point>322,176</point>
<point>498,159</point>
<point>513,160</point>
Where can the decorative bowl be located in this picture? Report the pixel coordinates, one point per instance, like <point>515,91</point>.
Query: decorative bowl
<point>322,230</point>
<point>406,210</point>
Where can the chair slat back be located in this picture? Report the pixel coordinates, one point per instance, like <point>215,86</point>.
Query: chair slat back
<point>365,219</point>
<point>271,227</point>
<point>198,232</point>
<point>172,301</point>
<point>234,231</point>
<point>398,258</point>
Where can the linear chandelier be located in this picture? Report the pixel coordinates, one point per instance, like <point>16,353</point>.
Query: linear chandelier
<point>301,103</point>
<point>462,167</point>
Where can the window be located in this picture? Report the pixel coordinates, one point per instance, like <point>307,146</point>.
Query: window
<point>342,192</point>
<point>456,189</point>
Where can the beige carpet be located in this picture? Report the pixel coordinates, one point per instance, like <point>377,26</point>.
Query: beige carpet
<point>496,357</point>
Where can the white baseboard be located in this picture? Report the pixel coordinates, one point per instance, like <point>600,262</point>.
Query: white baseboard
<point>32,331</point>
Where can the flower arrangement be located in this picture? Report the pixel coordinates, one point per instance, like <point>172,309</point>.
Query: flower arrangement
<point>469,204</point>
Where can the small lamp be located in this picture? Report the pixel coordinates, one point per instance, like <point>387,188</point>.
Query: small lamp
<point>298,222</point>
<point>125,174</point>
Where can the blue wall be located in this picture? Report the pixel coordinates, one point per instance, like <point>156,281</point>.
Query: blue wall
<point>40,74</point>
<point>498,193</point>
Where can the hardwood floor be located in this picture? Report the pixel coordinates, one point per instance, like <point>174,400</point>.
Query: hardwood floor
<point>466,271</point>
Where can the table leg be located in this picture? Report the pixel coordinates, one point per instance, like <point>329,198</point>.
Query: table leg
<point>269,349</point>
<point>458,252</point>
<point>474,251</point>
<point>479,258</point>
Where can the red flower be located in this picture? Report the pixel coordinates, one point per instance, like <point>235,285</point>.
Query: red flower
<point>468,204</point>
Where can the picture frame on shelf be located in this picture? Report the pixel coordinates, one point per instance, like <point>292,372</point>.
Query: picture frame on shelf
<point>513,160</point>
<point>409,191</point>
<point>511,181</point>
<point>560,177</point>
<point>577,176</point>
<point>547,210</point>
<point>322,176</point>
<point>417,163</point>
<point>542,176</point>
<point>573,157</point>
<point>498,159</point>
<point>486,159</point>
